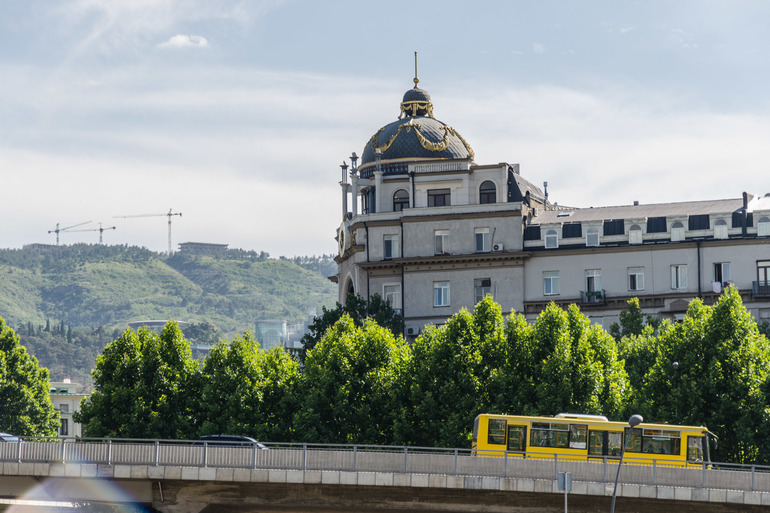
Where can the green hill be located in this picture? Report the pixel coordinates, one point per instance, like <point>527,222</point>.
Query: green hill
<point>85,287</point>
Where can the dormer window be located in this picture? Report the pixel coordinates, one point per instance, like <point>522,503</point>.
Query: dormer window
<point>763,227</point>
<point>400,200</point>
<point>635,234</point>
<point>592,236</point>
<point>551,239</point>
<point>720,229</point>
<point>677,231</point>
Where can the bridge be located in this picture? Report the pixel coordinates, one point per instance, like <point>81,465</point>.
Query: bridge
<point>193,477</point>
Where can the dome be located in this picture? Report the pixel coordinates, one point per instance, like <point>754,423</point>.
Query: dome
<point>416,134</point>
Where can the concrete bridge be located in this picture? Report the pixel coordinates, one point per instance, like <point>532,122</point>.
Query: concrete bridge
<point>181,477</point>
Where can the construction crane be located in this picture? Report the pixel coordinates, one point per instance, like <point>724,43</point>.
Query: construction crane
<point>169,214</point>
<point>100,230</point>
<point>57,229</point>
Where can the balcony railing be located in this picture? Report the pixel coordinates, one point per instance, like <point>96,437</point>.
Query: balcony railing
<point>760,288</point>
<point>594,297</point>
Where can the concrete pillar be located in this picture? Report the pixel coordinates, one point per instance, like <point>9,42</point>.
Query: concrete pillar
<point>345,186</point>
<point>503,196</point>
<point>354,193</point>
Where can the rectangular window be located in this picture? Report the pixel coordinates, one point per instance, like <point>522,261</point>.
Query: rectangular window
<point>722,273</point>
<point>64,407</point>
<point>517,438</point>
<point>571,231</point>
<point>442,242</point>
<point>390,246</point>
<point>441,293</point>
<point>695,445</point>
<point>636,278</point>
<point>532,233</point>
<point>496,432</point>
<point>656,225</point>
<point>439,198</point>
<point>698,222</point>
<point>593,280</point>
<point>392,295</point>
<point>551,283</point>
<point>679,276</point>
<point>482,288</point>
<point>763,272</point>
<point>654,441</point>
<point>482,240</point>
<point>64,429</point>
<point>614,227</point>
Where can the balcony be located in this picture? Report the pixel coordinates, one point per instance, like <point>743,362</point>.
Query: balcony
<point>760,288</point>
<point>594,297</point>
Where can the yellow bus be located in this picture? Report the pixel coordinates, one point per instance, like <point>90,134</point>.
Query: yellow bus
<point>589,437</point>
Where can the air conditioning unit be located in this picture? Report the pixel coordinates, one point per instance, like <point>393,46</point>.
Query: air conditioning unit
<point>497,247</point>
<point>413,332</point>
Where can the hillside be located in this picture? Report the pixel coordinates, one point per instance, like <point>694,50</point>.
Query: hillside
<point>88,287</point>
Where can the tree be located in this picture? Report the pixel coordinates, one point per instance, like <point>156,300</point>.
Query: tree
<point>632,321</point>
<point>248,391</point>
<point>144,387</point>
<point>347,384</point>
<point>358,309</point>
<point>25,404</point>
<point>720,380</point>
<point>562,363</point>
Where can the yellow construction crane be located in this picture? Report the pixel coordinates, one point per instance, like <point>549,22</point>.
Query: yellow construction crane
<point>57,229</point>
<point>100,230</point>
<point>169,214</point>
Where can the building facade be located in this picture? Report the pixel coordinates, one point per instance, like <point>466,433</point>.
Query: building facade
<point>431,231</point>
<point>66,400</point>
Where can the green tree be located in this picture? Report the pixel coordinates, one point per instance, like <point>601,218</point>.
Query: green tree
<point>348,382</point>
<point>144,387</point>
<point>25,406</point>
<point>720,379</point>
<point>632,321</point>
<point>562,363</point>
<point>445,381</point>
<point>358,309</point>
<point>248,391</point>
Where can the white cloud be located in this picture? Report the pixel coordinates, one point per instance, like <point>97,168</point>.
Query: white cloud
<point>538,48</point>
<point>184,41</point>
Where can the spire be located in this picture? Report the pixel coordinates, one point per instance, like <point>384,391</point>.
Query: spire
<point>416,101</point>
<point>416,80</point>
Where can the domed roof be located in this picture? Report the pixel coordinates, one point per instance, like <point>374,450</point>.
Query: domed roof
<point>418,135</point>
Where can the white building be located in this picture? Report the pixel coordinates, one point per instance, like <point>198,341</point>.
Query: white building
<point>66,400</point>
<point>431,231</point>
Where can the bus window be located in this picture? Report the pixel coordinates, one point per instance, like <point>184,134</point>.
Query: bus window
<point>604,443</point>
<point>655,441</point>
<point>695,448</point>
<point>547,434</point>
<point>496,432</point>
<point>577,436</point>
<point>517,436</point>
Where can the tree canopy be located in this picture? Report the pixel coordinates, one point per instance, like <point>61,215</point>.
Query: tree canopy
<point>25,403</point>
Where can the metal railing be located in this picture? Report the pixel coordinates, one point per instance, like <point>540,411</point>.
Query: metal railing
<point>394,459</point>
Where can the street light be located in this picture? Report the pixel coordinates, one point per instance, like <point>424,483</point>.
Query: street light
<point>634,421</point>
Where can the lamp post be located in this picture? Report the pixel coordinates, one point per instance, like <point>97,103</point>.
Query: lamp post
<point>634,421</point>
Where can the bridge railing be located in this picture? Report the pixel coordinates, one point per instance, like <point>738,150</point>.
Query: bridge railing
<point>370,458</point>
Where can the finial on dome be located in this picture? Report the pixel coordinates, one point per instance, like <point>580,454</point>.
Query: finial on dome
<point>416,80</point>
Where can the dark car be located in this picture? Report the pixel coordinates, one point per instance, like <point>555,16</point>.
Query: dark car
<point>230,441</point>
<point>6,437</point>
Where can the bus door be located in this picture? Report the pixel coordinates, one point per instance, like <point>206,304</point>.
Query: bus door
<point>517,440</point>
<point>604,443</point>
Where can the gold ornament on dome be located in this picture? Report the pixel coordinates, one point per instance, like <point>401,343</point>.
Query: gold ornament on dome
<point>412,108</point>
<point>441,145</point>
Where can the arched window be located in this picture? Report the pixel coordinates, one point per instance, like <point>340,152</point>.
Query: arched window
<point>488,192</point>
<point>635,234</point>
<point>400,200</point>
<point>720,229</point>
<point>551,239</point>
<point>763,226</point>
<point>677,231</point>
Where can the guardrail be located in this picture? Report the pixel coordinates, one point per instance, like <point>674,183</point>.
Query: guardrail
<point>371,458</point>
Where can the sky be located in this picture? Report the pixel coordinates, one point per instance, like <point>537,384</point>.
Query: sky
<point>238,114</point>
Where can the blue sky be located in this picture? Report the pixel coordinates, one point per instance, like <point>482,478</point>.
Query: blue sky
<point>238,113</point>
